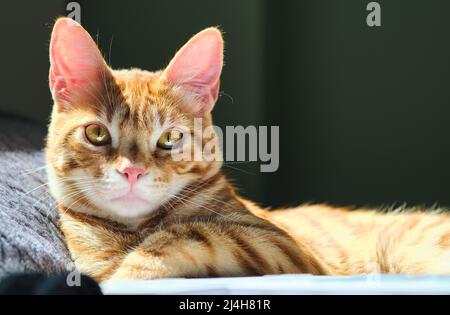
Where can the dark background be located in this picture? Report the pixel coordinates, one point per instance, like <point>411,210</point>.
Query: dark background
<point>363,112</point>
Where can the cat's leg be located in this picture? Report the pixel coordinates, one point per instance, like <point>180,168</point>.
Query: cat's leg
<point>213,249</point>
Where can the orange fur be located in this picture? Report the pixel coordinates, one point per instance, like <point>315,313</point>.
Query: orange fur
<point>195,224</point>
<point>409,241</point>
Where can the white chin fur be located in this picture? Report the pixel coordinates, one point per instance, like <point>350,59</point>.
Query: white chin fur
<point>118,209</point>
<point>126,212</point>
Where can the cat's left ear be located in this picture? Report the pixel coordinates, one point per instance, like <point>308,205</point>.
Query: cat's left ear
<point>196,68</point>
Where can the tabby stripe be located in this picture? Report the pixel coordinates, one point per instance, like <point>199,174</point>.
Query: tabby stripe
<point>107,272</point>
<point>305,263</point>
<point>431,225</point>
<point>405,228</point>
<point>190,192</point>
<point>196,235</point>
<point>248,255</point>
<point>212,271</point>
<point>187,255</point>
<point>126,113</point>
<point>444,241</point>
<point>244,262</point>
<point>134,151</point>
<point>94,221</point>
<point>155,220</point>
<point>155,252</point>
<point>330,238</point>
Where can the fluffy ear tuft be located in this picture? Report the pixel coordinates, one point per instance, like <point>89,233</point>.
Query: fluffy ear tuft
<point>76,64</point>
<point>196,68</point>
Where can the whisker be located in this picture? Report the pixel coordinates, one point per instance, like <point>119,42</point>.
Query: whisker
<point>207,194</point>
<point>36,188</point>
<point>64,181</point>
<point>227,95</point>
<point>238,162</point>
<point>238,169</point>
<point>34,170</point>
<point>183,200</point>
<point>69,196</point>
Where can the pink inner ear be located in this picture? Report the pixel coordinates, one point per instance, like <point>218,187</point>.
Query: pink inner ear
<point>197,67</point>
<point>76,62</point>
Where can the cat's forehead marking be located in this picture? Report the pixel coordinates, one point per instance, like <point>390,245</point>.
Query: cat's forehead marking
<point>144,99</point>
<point>140,92</point>
<point>142,112</point>
<point>138,87</point>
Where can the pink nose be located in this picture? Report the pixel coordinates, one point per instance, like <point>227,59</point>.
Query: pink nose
<point>132,174</point>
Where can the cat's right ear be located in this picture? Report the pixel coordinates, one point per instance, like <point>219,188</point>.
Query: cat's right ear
<point>76,64</point>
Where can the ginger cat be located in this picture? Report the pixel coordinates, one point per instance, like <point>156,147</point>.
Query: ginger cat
<point>131,211</point>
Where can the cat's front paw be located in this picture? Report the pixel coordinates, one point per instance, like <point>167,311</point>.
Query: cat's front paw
<point>128,273</point>
<point>139,266</point>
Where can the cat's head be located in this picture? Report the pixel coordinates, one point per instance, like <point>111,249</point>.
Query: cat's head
<point>114,133</point>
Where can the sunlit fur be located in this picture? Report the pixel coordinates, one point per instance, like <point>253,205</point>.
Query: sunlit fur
<point>348,241</point>
<point>136,109</point>
<point>188,220</point>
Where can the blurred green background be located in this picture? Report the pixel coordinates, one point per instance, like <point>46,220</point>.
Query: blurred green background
<point>363,112</point>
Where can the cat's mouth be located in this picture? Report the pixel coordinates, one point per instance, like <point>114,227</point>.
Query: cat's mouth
<point>129,199</point>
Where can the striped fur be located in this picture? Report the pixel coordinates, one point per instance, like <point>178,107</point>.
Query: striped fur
<point>194,224</point>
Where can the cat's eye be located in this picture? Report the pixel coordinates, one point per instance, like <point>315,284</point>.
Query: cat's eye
<point>169,139</point>
<point>97,134</point>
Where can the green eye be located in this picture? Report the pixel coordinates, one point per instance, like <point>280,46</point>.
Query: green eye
<point>97,134</point>
<point>168,139</point>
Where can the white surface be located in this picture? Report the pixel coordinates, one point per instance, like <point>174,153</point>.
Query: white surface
<point>286,284</point>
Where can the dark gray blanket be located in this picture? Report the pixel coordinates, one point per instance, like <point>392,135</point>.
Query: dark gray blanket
<point>29,237</point>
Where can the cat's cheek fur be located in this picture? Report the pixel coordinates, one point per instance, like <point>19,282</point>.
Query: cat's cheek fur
<point>57,190</point>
